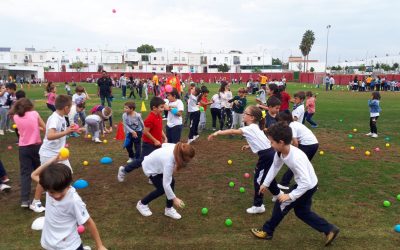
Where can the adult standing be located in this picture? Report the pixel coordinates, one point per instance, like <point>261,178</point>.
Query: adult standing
<point>122,83</point>
<point>327,82</point>
<point>155,84</point>
<point>104,89</point>
<point>331,82</point>
<point>263,80</point>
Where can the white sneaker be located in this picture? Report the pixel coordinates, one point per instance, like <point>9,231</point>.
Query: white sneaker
<point>37,207</point>
<point>256,210</point>
<point>130,160</point>
<point>374,135</point>
<point>97,140</point>
<point>369,134</point>
<point>143,209</point>
<point>283,187</point>
<point>150,182</point>
<point>195,137</point>
<point>10,130</point>
<point>1,132</point>
<point>4,187</point>
<point>172,213</point>
<point>121,174</point>
<point>190,141</point>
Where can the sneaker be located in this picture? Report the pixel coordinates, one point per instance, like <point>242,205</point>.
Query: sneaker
<point>4,187</point>
<point>150,182</point>
<point>97,140</point>
<point>214,129</point>
<point>143,209</point>
<point>330,237</point>
<point>10,130</point>
<point>256,210</point>
<point>130,160</point>
<point>121,174</point>
<point>283,187</point>
<point>190,141</point>
<point>37,207</point>
<point>374,135</point>
<point>369,134</point>
<point>314,126</point>
<point>195,137</point>
<point>25,204</point>
<point>1,132</point>
<point>172,213</point>
<point>5,179</point>
<point>259,233</point>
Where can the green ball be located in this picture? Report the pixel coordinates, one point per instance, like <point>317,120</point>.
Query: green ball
<point>241,190</point>
<point>201,109</point>
<point>387,138</point>
<point>340,120</point>
<point>398,197</point>
<point>228,222</point>
<point>350,136</point>
<point>386,204</point>
<point>231,184</point>
<point>204,211</point>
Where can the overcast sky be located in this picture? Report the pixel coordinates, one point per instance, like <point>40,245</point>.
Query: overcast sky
<point>359,28</point>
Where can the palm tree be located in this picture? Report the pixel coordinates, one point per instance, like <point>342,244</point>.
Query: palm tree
<point>306,44</point>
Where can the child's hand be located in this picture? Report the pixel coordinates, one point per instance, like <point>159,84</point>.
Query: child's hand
<point>211,136</point>
<point>178,202</point>
<point>157,143</point>
<point>244,147</point>
<point>69,130</point>
<point>262,189</point>
<point>134,134</point>
<point>283,197</point>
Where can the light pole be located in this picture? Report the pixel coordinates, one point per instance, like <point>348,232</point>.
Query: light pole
<point>327,43</point>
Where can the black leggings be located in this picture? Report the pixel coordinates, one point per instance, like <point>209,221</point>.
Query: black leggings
<point>372,124</point>
<point>226,113</point>
<point>216,113</point>
<point>158,183</point>
<point>194,124</point>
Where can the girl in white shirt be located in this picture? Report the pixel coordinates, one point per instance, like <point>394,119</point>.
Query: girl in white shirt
<point>303,138</point>
<point>160,167</point>
<point>174,118</point>
<point>215,109</point>
<point>259,144</point>
<point>194,111</point>
<point>226,108</point>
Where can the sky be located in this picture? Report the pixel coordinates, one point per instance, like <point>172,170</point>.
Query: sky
<point>359,29</point>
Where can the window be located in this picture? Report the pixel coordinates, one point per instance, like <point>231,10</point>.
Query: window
<point>41,57</point>
<point>214,59</point>
<point>248,58</point>
<point>154,58</point>
<point>183,59</point>
<point>226,59</point>
<point>175,59</point>
<point>259,58</point>
<point>162,58</point>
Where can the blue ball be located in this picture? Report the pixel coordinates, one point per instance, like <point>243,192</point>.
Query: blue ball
<point>174,111</point>
<point>79,184</point>
<point>106,160</point>
<point>397,228</point>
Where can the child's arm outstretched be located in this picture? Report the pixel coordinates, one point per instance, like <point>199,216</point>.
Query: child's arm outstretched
<point>95,234</point>
<point>52,134</point>
<point>225,132</point>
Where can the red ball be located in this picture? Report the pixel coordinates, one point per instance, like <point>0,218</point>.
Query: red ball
<point>377,149</point>
<point>246,175</point>
<point>9,147</point>
<point>81,229</point>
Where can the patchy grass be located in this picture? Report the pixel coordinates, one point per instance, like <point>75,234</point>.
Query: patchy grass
<point>352,186</point>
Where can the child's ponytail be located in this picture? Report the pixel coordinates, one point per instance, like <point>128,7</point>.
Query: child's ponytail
<point>183,153</point>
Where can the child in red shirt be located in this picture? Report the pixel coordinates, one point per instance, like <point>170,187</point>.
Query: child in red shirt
<point>153,136</point>
<point>203,103</point>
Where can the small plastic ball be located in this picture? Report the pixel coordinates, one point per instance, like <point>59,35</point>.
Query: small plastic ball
<point>230,162</point>
<point>354,130</point>
<point>89,136</point>
<point>352,148</point>
<point>174,111</point>
<point>340,120</point>
<point>367,153</point>
<point>105,141</point>
<point>397,228</point>
<point>228,222</point>
<point>387,145</point>
<point>387,203</point>
<point>231,184</point>
<point>377,149</point>
<point>242,190</point>
<point>204,211</point>
<point>246,175</point>
<point>81,229</point>
<point>168,88</point>
<point>9,147</point>
<point>321,152</point>
<point>85,163</point>
<point>387,138</point>
<point>66,145</point>
<point>350,136</point>
<point>201,109</point>
<point>64,153</point>
<point>14,126</point>
<point>398,197</point>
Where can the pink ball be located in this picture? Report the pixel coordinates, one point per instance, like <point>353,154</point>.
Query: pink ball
<point>114,11</point>
<point>81,229</point>
<point>168,88</point>
<point>377,149</point>
<point>246,175</point>
<point>9,147</point>
<point>115,126</point>
<point>66,145</point>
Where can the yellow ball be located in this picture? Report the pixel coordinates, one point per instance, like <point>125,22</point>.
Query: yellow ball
<point>230,162</point>
<point>89,136</point>
<point>321,152</point>
<point>352,148</point>
<point>354,130</point>
<point>85,163</point>
<point>14,126</point>
<point>105,141</point>
<point>387,145</point>
<point>64,153</point>
<point>367,153</point>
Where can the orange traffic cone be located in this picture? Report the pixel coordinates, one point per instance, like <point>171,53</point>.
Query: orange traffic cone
<point>120,132</point>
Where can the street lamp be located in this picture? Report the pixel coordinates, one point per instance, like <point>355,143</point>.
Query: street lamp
<point>327,40</point>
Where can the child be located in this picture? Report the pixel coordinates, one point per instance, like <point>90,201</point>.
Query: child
<point>80,97</point>
<point>3,178</point>
<point>259,144</point>
<point>194,111</point>
<point>239,104</point>
<point>303,138</point>
<point>215,109</point>
<point>65,208</point>
<point>153,136</point>
<point>160,167</point>
<point>298,107</point>
<point>262,95</point>
<point>203,102</point>
<point>95,122</point>
<point>146,90</point>
<point>374,110</point>
<point>273,104</point>
<point>300,198</point>
<point>29,124</point>
<point>226,112</point>
<point>310,104</point>
<point>174,118</point>
<point>7,95</point>
<point>186,99</point>
<point>51,96</point>
<point>133,127</point>
<point>68,88</point>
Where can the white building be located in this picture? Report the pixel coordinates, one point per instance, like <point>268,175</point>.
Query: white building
<point>297,63</point>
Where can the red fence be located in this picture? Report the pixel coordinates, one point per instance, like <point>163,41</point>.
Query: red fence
<point>207,77</point>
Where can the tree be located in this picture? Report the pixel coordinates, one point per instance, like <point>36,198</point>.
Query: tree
<point>306,44</point>
<point>377,66</point>
<point>362,67</point>
<point>385,67</point>
<point>223,68</point>
<point>256,70</point>
<point>312,69</point>
<point>395,66</point>
<point>78,65</point>
<point>146,48</point>
<point>276,61</point>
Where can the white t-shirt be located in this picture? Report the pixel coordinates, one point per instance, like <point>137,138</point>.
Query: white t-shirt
<point>3,98</point>
<point>122,81</point>
<point>192,104</point>
<point>173,120</point>
<point>303,171</point>
<point>331,80</point>
<point>299,113</point>
<point>216,102</point>
<point>262,97</point>
<point>255,137</point>
<point>225,97</point>
<point>303,134</point>
<point>78,99</point>
<point>61,221</point>
<point>161,161</point>
<point>51,148</point>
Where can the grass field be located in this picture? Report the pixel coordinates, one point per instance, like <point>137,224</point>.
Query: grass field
<point>352,187</point>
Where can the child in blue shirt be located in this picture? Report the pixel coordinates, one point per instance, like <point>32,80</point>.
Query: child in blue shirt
<point>374,110</point>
